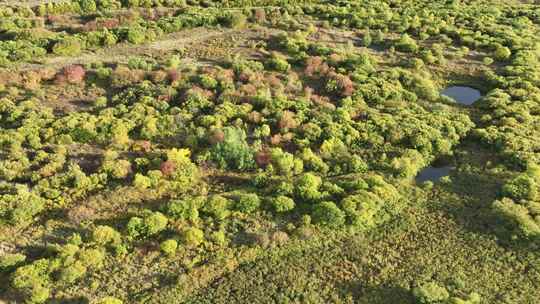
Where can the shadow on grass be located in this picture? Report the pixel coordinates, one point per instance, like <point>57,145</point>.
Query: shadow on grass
<point>468,198</point>
<point>384,295</point>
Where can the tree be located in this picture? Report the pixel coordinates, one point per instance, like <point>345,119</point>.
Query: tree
<point>523,187</point>
<point>367,39</point>
<point>169,247</point>
<point>105,235</point>
<point>247,202</point>
<point>430,293</point>
<point>406,44</point>
<point>136,35</point>
<point>110,300</point>
<point>233,152</point>
<point>149,224</point>
<point>73,272</point>
<point>283,203</point>
<point>218,207</point>
<point>193,236</point>
<point>307,187</point>
<point>67,47</point>
<point>327,213</point>
<point>502,53</point>
<point>187,209</point>
<point>518,218</point>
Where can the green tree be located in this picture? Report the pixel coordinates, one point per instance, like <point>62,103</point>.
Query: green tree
<point>169,247</point>
<point>283,203</point>
<point>110,300</point>
<point>67,47</point>
<point>406,44</point>
<point>193,236</point>
<point>105,235</point>
<point>307,187</point>
<point>233,151</point>
<point>218,207</point>
<point>247,202</point>
<point>430,293</point>
<point>187,209</point>
<point>502,53</point>
<point>523,187</point>
<point>327,213</point>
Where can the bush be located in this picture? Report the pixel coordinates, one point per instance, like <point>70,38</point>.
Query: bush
<point>136,35</point>
<point>217,206</point>
<point>32,281</point>
<point>88,6</point>
<point>247,202</point>
<point>518,217</point>
<point>10,260</point>
<point>183,172</point>
<point>367,39</point>
<point>169,247</point>
<point>279,63</point>
<point>283,203</point>
<point>362,209</point>
<point>340,85</point>
<point>430,293</point>
<point>487,60</point>
<point>73,272</point>
<point>155,223</point>
<point>105,235</point>
<point>327,213</point>
<point>235,20</point>
<point>184,209</point>
<point>67,47</point>
<point>73,74</point>
<point>151,223</point>
<point>193,236</point>
<point>472,298</point>
<point>406,44</point>
<point>92,258</point>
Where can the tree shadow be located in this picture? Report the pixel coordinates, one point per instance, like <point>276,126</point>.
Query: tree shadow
<point>468,198</point>
<point>72,300</point>
<point>380,294</point>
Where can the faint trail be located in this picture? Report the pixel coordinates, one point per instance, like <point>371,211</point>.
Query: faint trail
<point>122,51</point>
<point>29,2</point>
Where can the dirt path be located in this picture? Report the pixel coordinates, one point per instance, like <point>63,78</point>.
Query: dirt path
<point>192,38</point>
<point>28,2</point>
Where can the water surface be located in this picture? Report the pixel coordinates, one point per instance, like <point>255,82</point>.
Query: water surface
<point>462,95</point>
<point>433,174</point>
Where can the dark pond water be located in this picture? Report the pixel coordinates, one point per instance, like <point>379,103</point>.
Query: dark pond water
<point>463,95</point>
<point>433,174</point>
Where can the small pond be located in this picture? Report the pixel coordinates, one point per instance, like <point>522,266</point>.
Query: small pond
<point>433,174</point>
<point>462,95</point>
